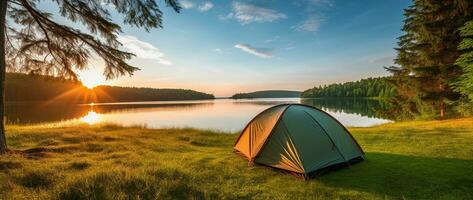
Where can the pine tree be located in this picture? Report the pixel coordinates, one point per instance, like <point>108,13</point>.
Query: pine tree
<point>427,53</point>
<point>464,85</point>
<point>34,41</point>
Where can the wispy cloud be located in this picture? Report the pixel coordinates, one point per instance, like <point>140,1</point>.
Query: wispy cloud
<point>315,17</point>
<point>206,6</point>
<point>248,13</point>
<point>186,4</point>
<point>142,49</point>
<point>311,24</point>
<point>260,52</point>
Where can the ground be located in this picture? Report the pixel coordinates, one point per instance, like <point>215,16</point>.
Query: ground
<point>408,160</point>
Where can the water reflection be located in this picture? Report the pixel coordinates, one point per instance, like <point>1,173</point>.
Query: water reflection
<point>222,114</point>
<point>91,118</point>
<point>364,107</point>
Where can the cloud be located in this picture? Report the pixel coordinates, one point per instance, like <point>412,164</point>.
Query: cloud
<point>186,4</point>
<point>311,24</point>
<point>203,7</point>
<point>142,49</point>
<point>248,13</point>
<point>260,52</point>
<point>314,10</point>
<point>206,6</point>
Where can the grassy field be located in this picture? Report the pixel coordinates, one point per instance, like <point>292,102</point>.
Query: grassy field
<point>410,160</point>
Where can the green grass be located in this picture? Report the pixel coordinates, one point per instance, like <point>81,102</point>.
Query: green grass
<point>409,160</point>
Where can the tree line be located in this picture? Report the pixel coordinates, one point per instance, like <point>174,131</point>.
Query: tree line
<point>364,88</point>
<point>23,87</point>
<point>267,94</point>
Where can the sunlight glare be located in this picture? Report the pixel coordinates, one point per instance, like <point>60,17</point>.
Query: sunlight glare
<point>91,78</point>
<point>91,118</point>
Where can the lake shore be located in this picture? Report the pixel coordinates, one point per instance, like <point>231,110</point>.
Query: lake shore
<point>412,160</point>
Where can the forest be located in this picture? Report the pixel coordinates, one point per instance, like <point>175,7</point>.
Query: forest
<point>364,88</point>
<point>24,87</point>
<point>432,75</point>
<point>267,94</point>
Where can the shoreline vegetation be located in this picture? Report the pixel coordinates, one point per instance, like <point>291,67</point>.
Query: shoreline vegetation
<point>378,87</point>
<point>267,94</point>
<point>410,160</point>
<point>60,90</point>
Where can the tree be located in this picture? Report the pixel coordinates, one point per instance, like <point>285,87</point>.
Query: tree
<point>464,85</point>
<point>427,53</point>
<point>34,41</point>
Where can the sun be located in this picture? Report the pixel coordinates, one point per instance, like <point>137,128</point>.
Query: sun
<point>91,79</point>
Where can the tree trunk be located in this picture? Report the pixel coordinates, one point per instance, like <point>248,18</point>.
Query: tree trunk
<point>3,13</point>
<point>442,110</point>
<point>441,103</point>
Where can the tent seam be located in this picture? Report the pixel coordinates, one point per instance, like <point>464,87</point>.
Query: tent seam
<point>295,147</point>
<point>272,130</point>
<point>348,132</point>
<point>331,139</point>
<point>254,118</point>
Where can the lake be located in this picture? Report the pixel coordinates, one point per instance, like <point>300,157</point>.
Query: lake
<point>220,114</point>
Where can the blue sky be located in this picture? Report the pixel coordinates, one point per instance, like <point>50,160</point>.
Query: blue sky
<point>224,47</point>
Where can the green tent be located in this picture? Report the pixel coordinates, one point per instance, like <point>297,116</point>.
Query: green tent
<point>297,138</point>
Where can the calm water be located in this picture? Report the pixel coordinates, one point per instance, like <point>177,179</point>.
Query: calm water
<point>221,114</point>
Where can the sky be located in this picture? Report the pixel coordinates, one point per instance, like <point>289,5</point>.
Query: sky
<point>225,47</point>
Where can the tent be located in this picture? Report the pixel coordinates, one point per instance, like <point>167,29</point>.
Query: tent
<point>299,139</point>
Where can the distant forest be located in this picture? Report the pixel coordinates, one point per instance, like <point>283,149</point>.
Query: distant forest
<point>267,94</point>
<point>23,87</point>
<point>364,88</point>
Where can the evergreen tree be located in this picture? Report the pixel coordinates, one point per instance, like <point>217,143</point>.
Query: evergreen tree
<point>33,41</point>
<point>464,85</point>
<point>427,54</point>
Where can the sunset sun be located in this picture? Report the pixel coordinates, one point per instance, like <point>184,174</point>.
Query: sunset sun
<point>91,79</point>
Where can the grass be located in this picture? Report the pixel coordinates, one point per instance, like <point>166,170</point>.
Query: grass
<point>409,160</point>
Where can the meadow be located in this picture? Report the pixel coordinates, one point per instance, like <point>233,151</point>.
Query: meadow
<point>405,160</point>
